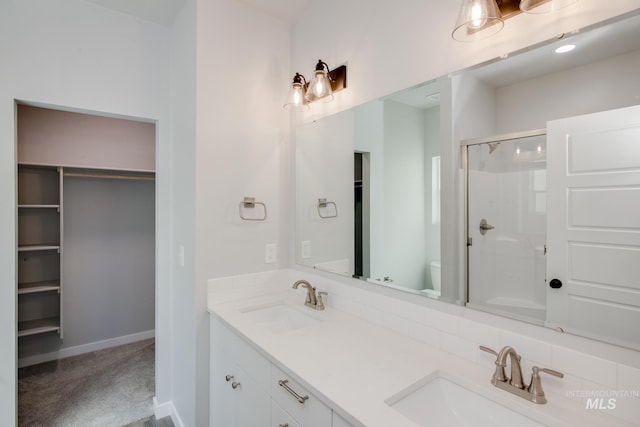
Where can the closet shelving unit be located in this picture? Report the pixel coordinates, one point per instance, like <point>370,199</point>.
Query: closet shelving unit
<point>39,249</point>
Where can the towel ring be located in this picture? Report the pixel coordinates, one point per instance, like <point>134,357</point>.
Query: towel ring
<point>322,203</point>
<point>250,203</point>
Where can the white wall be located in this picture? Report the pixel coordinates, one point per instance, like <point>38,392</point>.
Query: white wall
<point>404,193</point>
<point>432,149</point>
<point>78,55</point>
<point>180,357</point>
<point>573,93</point>
<point>242,150</point>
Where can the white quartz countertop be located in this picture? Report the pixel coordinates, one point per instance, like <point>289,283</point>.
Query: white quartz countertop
<point>353,366</point>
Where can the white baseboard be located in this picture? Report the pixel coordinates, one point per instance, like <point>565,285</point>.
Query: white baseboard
<point>85,348</point>
<point>167,409</point>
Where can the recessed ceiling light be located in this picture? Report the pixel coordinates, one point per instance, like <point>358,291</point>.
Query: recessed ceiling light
<point>565,48</point>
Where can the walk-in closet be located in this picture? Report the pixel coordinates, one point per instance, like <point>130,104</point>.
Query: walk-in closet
<point>86,232</point>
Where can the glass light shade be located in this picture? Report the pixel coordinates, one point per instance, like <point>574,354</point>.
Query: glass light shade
<point>478,19</point>
<point>320,87</point>
<point>544,6</point>
<point>295,98</point>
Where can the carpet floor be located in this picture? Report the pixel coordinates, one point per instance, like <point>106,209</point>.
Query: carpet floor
<point>107,388</point>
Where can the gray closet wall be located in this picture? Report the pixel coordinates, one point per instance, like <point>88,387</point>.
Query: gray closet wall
<point>108,236</point>
<point>109,250</point>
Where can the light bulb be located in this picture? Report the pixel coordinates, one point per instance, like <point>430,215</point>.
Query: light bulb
<point>476,15</point>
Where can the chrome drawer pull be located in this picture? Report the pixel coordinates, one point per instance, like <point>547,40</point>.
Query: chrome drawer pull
<point>228,378</point>
<point>235,385</point>
<point>283,425</point>
<point>283,384</point>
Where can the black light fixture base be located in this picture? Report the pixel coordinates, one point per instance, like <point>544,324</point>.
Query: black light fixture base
<point>338,78</point>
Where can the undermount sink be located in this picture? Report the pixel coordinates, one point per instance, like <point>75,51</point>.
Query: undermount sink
<point>437,400</point>
<point>279,317</point>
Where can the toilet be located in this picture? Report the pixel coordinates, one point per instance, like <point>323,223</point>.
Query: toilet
<point>435,275</point>
<point>435,280</point>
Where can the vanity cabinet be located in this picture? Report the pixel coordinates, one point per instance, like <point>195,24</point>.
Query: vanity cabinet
<point>296,400</point>
<point>338,421</point>
<point>247,390</point>
<point>239,381</point>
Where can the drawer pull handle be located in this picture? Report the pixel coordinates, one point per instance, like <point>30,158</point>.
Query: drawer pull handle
<point>283,384</point>
<point>235,385</point>
<point>228,378</point>
<point>283,425</point>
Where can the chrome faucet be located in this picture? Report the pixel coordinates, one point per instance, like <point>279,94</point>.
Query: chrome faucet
<point>516,371</point>
<point>314,301</point>
<point>514,383</point>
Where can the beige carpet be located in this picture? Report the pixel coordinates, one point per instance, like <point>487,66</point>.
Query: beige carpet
<point>111,387</point>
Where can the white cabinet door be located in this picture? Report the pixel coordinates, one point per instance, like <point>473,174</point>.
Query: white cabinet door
<point>221,399</point>
<point>253,404</point>
<point>237,398</point>
<point>593,229</point>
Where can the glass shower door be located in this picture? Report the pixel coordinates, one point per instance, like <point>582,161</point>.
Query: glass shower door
<point>506,227</point>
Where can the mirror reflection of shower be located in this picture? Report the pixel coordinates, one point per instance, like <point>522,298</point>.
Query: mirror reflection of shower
<point>506,223</point>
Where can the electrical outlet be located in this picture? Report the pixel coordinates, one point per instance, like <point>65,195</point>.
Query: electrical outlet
<point>306,249</point>
<point>270,253</point>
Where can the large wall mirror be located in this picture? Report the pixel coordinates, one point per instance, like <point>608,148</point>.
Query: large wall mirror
<point>375,186</point>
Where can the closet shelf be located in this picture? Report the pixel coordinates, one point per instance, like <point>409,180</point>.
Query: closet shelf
<point>38,326</point>
<point>35,206</point>
<point>43,247</point>
<point>34,287</point>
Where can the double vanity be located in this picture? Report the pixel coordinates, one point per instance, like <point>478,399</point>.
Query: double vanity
<point>278,360</point>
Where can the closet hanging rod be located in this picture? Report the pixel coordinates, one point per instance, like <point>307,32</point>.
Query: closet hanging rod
<point>108,176</point>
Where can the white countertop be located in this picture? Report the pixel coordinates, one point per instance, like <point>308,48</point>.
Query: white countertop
<point>354,366</point>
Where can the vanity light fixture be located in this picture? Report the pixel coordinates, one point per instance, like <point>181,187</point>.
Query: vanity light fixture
<point>544,6</point>
<point>477,19</point>
<point>296,99</point>
<point>321,89</point>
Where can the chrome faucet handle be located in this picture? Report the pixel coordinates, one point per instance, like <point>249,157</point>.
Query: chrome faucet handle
<point>319,301</point>
<point>535,387</point>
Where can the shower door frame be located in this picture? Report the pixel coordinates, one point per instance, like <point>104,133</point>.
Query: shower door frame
<point>464,145</point>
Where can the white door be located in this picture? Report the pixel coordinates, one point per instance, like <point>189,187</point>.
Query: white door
<point>593,227</point>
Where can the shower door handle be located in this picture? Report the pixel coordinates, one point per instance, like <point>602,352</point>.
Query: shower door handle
<point>485,226</point>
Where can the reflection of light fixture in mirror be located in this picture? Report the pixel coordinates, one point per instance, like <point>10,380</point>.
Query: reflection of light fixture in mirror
<point>544,6</point>
<point>565,48</point>
<point>477,19</point>
<point>295,99</point>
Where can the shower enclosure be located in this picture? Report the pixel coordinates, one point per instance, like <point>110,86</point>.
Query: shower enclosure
<point>506,225</point>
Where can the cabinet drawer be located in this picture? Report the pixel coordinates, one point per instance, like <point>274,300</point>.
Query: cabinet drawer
<point>310,413</point>
<point>279,418</point>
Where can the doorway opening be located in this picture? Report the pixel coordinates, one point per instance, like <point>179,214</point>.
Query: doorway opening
<point>86,254</point>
